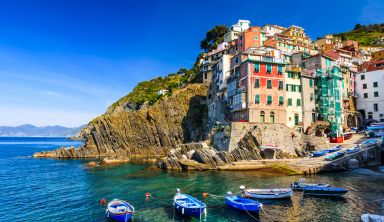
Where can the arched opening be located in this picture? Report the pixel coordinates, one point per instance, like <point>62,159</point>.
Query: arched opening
<point>351,120</point>
<point>262,117</point>
<point>272,117</point>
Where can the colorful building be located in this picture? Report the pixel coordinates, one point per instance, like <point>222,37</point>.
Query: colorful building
<point>378,55</point>
<point>294,102</point>
<point>259,95</point>
<point>251,37</point>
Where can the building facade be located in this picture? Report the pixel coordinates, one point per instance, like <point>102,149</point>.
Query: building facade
<point>370,94</point>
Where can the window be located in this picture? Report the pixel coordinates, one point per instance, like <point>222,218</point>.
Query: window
<point>289,102</point>
<point>365,95</point>
<point>269,84</point>
<point>313,117</point>
<point>370,115</point>
<point>311,83</point>
<point>311,97</point>
<point>298,102</point>
<point>293,88</point>
<point>375,107</point>
<point>241,37</point>
<point>280,70</point>
<point>375,84</point>
<point>281,100</point>
<point>257,99</point>
<point>269,100</point>
<point>364,86</point>
<point>362,77</point>
<point>257,67</point>
<point>272,117</point>
<point>269,68</point>
<point>287,87</point>
<point>262,117</point>
<point>256,38</point>
<point>281,85</point>
<point>375,94</point>
<point>299,88</point>
<point>257,83</point>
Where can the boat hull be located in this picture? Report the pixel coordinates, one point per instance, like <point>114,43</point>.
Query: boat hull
<point>327,191</point>
<point>249,205</point>
<point>301,186</point>
<point>268,193</point>
<point>195,209</point>
<point>119,218</point>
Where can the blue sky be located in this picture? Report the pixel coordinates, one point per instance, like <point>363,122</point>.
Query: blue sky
<point>64,61</point>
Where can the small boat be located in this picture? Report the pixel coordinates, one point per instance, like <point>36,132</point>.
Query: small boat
<point>320,153</point>
<point>335,156</point>
<point>188,205</point>
<point>302,184</point>
<point>241,203</point>
<point>377,124</point>
<point>335,148</point>
<point>324,191</point>
<point>370,142</point>
<point>348,135</point>
<point>375,127</point>
<point>119,210</point>
<point>352,150</point>
<point>267,193</point>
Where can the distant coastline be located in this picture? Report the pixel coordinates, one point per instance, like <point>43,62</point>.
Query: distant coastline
<point>28,130</point>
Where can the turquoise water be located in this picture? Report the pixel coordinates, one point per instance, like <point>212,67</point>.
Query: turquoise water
<point>65,190</point>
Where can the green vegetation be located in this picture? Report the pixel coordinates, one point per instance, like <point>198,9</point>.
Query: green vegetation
<point>214,37</point>
<point>284,168</point>
<point>366,35</point>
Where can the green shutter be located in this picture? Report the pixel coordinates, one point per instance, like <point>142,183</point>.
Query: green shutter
<point>257,67</point>
<point>299,88</point>
<point>269,84</point>
<point>269,99</point>
<point>257,99</point>
<point>289,102</point>
<point>281,100</point>
<point>287,87</point>
<point>280,69</point>
<point>269,68</point>
<point>281,85</point>
<point>257,83</point>
<point>298,102</point>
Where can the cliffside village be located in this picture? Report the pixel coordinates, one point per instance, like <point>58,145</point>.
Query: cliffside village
<point>274,74</point>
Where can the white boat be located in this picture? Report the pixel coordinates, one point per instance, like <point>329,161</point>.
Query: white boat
<point>267,193</point>
<point>302,184</point>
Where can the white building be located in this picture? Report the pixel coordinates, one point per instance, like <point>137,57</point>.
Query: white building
<point>221,73</point>
<point>370,94</point>
<point>271,30</point>
<point>236,29</point>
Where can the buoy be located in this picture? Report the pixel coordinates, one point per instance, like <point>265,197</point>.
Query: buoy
<point>204,194</point>
<point>147,194</point>
<point>103,202</point>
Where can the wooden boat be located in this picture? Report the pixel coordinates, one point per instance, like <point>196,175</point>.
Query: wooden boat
<point>335,156</point>
<point>244,204</point>
<point>334,149</point>
<point>348,135</point>
<point>188,205</point>
<point>320,153</point>
<point>267,193</point>
<point>352,150</point>
<point>301,184</point>
<point>324,191</point>
<point>119,210</point>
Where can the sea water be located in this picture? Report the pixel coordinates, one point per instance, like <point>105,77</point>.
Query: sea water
<point>65,190</point>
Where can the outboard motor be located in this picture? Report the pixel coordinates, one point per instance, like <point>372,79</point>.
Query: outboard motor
<point>229,193</point>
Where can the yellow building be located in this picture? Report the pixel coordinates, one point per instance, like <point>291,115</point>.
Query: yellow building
<point>293,96</point>
<point>378,55</point>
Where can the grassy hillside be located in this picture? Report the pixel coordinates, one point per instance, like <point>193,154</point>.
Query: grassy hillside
<point>367,35</point>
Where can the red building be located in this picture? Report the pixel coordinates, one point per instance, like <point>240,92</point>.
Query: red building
<point>251,37</point>
<point>260,90</point>
<point>372,65</point>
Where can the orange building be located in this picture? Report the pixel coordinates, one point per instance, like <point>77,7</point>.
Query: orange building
<point>251,37</point>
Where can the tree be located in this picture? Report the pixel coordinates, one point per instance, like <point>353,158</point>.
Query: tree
<point>357,26</point>
<point>213,37</point>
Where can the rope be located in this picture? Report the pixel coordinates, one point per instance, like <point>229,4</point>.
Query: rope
<point>266,214</point>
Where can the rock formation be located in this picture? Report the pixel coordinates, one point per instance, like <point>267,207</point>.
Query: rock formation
<point>150,131</point>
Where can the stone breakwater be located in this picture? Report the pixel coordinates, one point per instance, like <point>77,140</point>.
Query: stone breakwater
<point>248,146</point>
<point>149,132</point>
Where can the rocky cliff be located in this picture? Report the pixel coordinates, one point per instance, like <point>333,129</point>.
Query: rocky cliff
<point>149,132</point>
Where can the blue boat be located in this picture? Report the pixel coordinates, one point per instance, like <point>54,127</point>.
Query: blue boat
<point>375,127</point>
<point>119,210</point>
<point>334,149</point>
<point>244,204</point>
<point>188,205</point>
<point>324,191</point>
<point>352,150</point>
<point>370,142</point>
<point>320,153</point>
<point>335,156</point>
